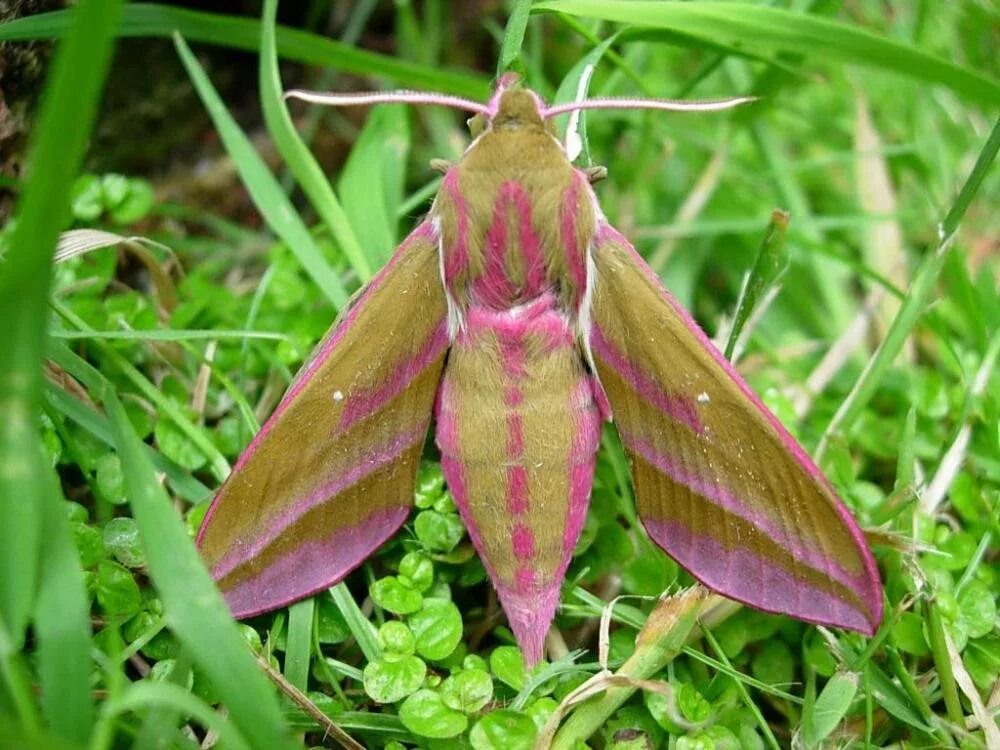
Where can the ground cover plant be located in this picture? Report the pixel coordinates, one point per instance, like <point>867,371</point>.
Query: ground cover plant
<point>838,239</point>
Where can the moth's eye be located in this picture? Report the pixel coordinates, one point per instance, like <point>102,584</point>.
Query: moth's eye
<point>477,124</point>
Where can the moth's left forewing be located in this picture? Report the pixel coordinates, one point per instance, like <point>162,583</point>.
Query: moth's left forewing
<point>719,483</point>
<point>330,475</point>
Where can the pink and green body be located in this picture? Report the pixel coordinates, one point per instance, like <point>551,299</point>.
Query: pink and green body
<point>523,320</point>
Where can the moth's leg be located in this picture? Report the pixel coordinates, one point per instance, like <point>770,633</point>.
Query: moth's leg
<point>595,174</point>
<point>441,165</point>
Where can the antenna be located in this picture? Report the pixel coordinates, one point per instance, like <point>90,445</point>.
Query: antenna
<point>671,105</point>
<point>389,97</point>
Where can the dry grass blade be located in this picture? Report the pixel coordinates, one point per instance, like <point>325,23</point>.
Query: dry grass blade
<point>302,701</point>
<point>882,240</point>
<point>951,463</point>
<point>985,719</point>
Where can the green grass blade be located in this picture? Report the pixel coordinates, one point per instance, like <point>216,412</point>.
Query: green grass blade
<point>371,181</point>
<point>60,138</point>
<point>822,716</point>
<point>193,607</point>
<point>359,625</point>
<point>513,38</point>
<point>767,269</point>
<point>165,405</point>
<point>298,643</point>
<point>154,20</point>
<point>96,424</point>
<point>575,86</point>
<point>264,189</point>
<point>298,158</point>
<point>148,695</point>
<point>924,283</point>
<point>173,334</point>
<point>62,622</point>
<point>741,689</point>
<point>772,31</point>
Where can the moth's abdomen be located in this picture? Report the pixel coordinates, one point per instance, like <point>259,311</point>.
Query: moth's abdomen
<point>518,430</point>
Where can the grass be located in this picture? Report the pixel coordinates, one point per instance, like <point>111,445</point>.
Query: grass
<point>868,324</point>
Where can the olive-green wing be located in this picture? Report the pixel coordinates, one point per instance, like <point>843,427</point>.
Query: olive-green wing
<point>330,475</point>
<point>719,483</point>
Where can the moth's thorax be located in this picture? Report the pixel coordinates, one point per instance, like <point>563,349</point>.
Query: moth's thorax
<point>515,217</point>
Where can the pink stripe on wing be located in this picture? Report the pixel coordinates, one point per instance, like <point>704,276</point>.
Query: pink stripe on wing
<point>423,231</point>
<point>742,575</point>
<point>608,233</point>
<point>726,499</point>
<point>363,403</point>
<point>680,408</point>
<point>387,454</point>
<point>313,566</point>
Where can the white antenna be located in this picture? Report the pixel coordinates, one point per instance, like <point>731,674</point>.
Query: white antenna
<point>389,97</point>
<point>670,105</point>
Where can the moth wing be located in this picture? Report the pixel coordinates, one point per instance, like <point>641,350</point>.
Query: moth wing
<point>720,484</point>
<point>330,475</point>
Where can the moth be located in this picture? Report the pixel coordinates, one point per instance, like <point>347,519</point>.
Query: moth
<point>520,319</point>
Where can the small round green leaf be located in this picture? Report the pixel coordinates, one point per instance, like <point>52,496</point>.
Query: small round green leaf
<point>417,570</point>
<point>87,198</point>
<point>110,479</point>
<point>437,627</point>
<point>177,446</point>
<point>774,663</point>
<point>977,609</point>
<point>439,532</point>
<point>75,513</point>
<point>121,537</point>
<point>393,595</point>
<point>117,591</point>
<point>507,663</point>
<point>692,704</point>
<point>89,543</point>
<point>330,623</point>
<point>541,709</point>
<point>391,680</point>
<point>445,503</point>
<point>395,638</point>
<point>982,659</point>
<point>830,708</point>
<point>468,691</point>
<point>426,715</point>
<point>136,203</point>
<point>503,730</point>
<point>114,188</point>
<point>430,485</point>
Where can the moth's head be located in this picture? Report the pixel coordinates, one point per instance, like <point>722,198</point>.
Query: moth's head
<point>511,108</point>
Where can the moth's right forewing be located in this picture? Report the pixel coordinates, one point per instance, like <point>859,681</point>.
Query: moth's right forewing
<point>719,483</point>
<point>330,475</point>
